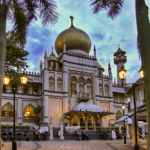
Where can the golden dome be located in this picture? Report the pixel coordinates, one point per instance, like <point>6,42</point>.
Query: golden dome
<point>52,56</point>
<point>74,39</point>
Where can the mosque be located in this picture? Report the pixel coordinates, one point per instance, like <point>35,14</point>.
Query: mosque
<point>71,87</point>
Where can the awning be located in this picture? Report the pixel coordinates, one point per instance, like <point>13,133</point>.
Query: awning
<point>120,121</point>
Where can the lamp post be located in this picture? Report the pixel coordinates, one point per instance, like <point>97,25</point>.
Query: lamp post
<point>123,108</point>
<point>122,74</point>
<point>6,81</point>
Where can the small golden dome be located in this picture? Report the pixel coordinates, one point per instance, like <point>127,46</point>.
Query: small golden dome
<point>52,56</point>
<point>74,39</point>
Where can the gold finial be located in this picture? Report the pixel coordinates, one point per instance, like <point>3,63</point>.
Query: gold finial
<point>71,17</point>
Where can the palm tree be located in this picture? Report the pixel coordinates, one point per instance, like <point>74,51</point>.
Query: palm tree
<point>22,12</point>
<point>143,40</point>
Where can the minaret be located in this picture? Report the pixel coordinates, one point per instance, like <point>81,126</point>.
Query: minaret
<point>64,48</point>
<point>120,59</point>
<point>41,67</point>
<point>45,60</point>
<point>109,71</point>
<point>94,51</point>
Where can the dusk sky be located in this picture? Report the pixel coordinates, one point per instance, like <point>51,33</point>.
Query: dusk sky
<point>104,32</point>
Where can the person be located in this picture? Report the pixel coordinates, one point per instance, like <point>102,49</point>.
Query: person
<point>78,135</point>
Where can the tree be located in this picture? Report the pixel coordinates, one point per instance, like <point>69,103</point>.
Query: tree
<point>22,13</point>
<point>143,40</point>
<point>38,110</point>
<point>15,58</point>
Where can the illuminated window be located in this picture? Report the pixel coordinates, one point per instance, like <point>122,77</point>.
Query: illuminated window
<point>74,85</point>
<point>106,90</point>
<point>51,84</point>
<point>100,89</point>
<point>59,85</point>
<point>81,84</point>
<point>29,112</point>
<point>118,115</point>
<point>7,110</point>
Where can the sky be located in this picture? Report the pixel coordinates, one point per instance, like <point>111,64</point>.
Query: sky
<point>104,33</point>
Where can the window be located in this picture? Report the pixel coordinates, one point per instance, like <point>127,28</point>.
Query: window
<point>74,85</point>
<point>4,88</point>
<point>115,97</point>
<point>88,86</point>
<point>35,89</point>
<point>51,84</point>
<point>25,89</point>
<point>29,112</point>
<point>81,84</point>
<point>100,89</point>
<point>59,85</point>
<point>7,110</point>
<point>106,90</point>
<point>118,115</point>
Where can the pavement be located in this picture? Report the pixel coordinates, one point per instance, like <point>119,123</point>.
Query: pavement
<point>75,145</point>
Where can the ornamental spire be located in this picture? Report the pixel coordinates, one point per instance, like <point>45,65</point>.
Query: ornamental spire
<point>71,17</point>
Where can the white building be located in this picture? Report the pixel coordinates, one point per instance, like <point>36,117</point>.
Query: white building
<point>71,87</point>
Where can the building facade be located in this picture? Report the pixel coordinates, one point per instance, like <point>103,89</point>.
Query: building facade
<point>71,87</point>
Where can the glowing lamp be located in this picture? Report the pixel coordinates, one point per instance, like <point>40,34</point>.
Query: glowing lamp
<point>6,80</point>
<point>24,79</point>
<point>122,73</point>
<point>123,107</point>
<point>141,72</point>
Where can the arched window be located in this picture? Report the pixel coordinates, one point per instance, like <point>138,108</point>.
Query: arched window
<point>29,112</point>
<point>106,90</point>
<point>7,110</point>
<point>118,115</point>
<point>100,89</point>
<point>51,84</point>
<point>74,85</point>
<point>88,86</point>
<point>59,85</point>
<point>81,84</point>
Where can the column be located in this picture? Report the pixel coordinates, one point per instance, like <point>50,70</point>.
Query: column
<point>65,78</point>
<point>131,102</point>
<point>100,121</point>
<point>133,131</point>
<point>78,120</point>
<point>19,112</point>
<point>103,88</point>
<point>120,129</point>
<point>61,131</point>
<point>46,98</point>
<point>94,121</point>
<point>46,80</point>
<point>51,130</point>
<point>78,87</point>
<point>86,122</point>
<point>85,88</point>
<point>127,131</point>
<point>55,81</point>
<point>140,97</point>
<point>65,105</point>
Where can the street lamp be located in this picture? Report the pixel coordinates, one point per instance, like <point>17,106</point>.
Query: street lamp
<point>6,81</point>
<point>141,72</point>
<point>122,74</point>
<point>123,108</point>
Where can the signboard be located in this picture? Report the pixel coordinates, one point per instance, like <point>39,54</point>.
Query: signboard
<point>72,129</point>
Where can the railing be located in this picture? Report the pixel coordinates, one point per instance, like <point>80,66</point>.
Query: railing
<point>83,96</point>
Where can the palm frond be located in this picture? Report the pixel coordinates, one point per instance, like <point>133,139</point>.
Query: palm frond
<point>21,23</point>
<point>48,12</point>
<point>99,5</point>
<point>115,8</point>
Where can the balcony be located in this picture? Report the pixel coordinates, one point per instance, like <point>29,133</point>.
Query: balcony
<point>84,97</point>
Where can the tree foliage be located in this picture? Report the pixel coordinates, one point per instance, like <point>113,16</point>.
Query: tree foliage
<point>15,58</point>
<point>38,110</point>
<point>113,6</point>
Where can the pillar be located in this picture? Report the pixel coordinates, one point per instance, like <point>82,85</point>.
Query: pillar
<point>100,121</point>
<point>110,87</point>
<point>19,112</point>
<point>46,98</point>
<point>86,122</point>
<point>65,78</point>
<point>127,131</point>
<point>133,131</point>
<point>61,131</point>
<point>94,121</point>
<point>85,88</point>
<point>120,129</point>
<point>78,120</point>
<point>103,88</point>
<point>51,130</point>
<point>55,81</point>
<point>78,87</point>
<point>131,102</point>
